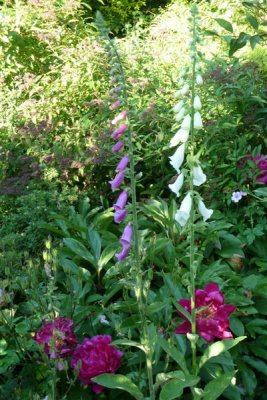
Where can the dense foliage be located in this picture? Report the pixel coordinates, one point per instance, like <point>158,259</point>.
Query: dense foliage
<point>57,235</point>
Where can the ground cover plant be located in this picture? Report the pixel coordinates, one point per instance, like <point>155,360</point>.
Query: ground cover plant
<point>133,201</point>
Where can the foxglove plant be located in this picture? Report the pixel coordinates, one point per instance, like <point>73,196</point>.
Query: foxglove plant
<point>187,112</point>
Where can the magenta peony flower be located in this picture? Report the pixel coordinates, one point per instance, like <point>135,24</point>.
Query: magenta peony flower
<point>211,314</point>
<point>94,357</point>
<point>57,337</point>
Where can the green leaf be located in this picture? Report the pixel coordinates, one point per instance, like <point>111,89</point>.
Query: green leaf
<point>174,388</point>
<point>259,365</point>
<point>116,381</point>
<point>217,386</point>
<point>3,347</point>
<point>219,347</point>
<point>78,248</point>
<point>107,254</point>
<point>253,21</point>
<point>182,310</point>
<point>224,24</point>
<point>126,342</point>
<point>95,241</point>
<point>237,326</point>
<point>254,40</point>
<point>155,307</point>
<point>69,267</point>
<point>174,353</point>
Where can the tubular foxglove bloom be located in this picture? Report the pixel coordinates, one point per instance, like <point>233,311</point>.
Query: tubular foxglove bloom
<point>199,79</point>
<point>117,181</point>
<point>119,117</point>
<point>205,212</point>
<point>180,115</point>
<point>183,214</point>
<point>115,105</point>
<point>185,89</point>
<point>120,215</point>
<point>177,185</point>
<point>117,147</point>
<point>119,131</point>
<point>186,124</point>
<point>125,240</point>
<point>198,176</point>
<point>180,137</point>
<point>121,200</point>
<point>178,106</point>
<point>198,121</point>
<point>178,158</point>
<point>197,103</point>
<point>122,164</point>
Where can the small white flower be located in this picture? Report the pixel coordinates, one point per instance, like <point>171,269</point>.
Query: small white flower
<point>185,89</point>
<point>205,212</point>
<point>178,106</point>
<point>178,157</point>
<point>176,186</point>
<point>198,176</point>
<point>198,121</point>
<point>181,136</point>
<point>186,124</point>
<point>103,319</point>
<point>237,196</point>
<point>199,79</point>
<point>197,103</point>
<point>180,114</point>
<point>183,213</point>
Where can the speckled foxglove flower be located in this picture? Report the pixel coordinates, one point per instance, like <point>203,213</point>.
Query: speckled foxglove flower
<point>122,164</point>
<point>119,117</point>
<point>177,185</point>
<point>186,124</point>
<point>119,207</point>
<point>183,214</point>
<point>125,240</point>
<point>178,106</point>
<point>180,114</point>
<point>115,105</point>
<point>205,212</point>
<point>198,176</point>
<point>119,131</point>
<point>178,158</point>
<point>198,121</point>
<point>117,147</point>
<point>117,181</point>
<point>180,137</point>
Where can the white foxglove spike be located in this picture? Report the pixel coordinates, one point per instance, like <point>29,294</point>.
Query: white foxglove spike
<point>178,106</point>
<point>198,121</point>
<point>181,136</point>
<point>178,158</point>
<point>176,186</point>
<point>185,89</point>
<point>183,214</point>
<point>205,212</point>
<point>199,79</point>
<point>198,176</point>
<point>180,115</point>
<point>186,124</point>
<point>197,103</point>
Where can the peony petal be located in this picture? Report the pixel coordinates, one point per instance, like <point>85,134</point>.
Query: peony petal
<point>183,328</point>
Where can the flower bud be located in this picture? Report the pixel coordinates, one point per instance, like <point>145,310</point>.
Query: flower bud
<point>183,214</point>
<point>197,103</point>
<point>198,121</point>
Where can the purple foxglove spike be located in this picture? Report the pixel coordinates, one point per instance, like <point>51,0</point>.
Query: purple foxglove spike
<point>121,201</point>
<point>126,235</point>
<point>124,253</point>
<point>117,181</point>
<point>119,117</point>
<point>119,131</point>
<point>117,147</point>
<point>120,215</point>
<point>123,163</point>
<point>115,105</point>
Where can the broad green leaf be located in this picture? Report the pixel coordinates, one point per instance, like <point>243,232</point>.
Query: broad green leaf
<point>237,326</point>
<point>174,388</point>
<point>254,40</point>
<point>3,347</point>
<point>174,353</point>
<point>95,241</point>
<point>257,364</point>
<point>69,267</point>
<point>155,307</point>
<point>217,386</point>
<point>219,347</point>
<point>107,254</point>
<point>116,381</point>
<point>182,310</point>
<point>126,342</point>
<point>78,248</point>
<point>249,379</point>
<point>224,24</point>
<point>253,21</point>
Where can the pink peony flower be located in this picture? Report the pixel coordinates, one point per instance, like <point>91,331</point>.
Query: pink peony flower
<point>57,337</point>
<point>211,314</point>
<point>94,357</point>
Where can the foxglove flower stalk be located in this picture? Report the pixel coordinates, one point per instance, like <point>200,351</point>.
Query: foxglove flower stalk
<point>125,240</point>
<point>117,147</point>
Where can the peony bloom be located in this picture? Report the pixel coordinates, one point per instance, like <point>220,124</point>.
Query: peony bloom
<point>119,131</point>
<point>181,136</point>
<point>94,357</point>
<point>57,337</point>
<point>119,117</point>
<point>211,314</point>
<point>198,121</point>
<point>125,240</point>
<point>237,196</point>
<point>178,158</point>
<point>117,181</point>
<point>177,185</point>
<point>205,212</point>
<point>122,164</point>
<point>183,213</point>
<point>117,147</point>
<point>198,176</point>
